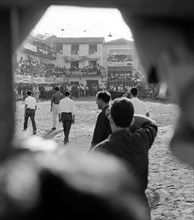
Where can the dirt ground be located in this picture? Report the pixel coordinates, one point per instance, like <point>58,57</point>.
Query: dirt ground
<point>171,182</point>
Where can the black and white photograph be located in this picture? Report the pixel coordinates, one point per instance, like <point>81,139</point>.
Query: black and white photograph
<point>97,110</point>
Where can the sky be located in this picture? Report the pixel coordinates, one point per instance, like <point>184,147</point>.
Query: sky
<point>83,22</point>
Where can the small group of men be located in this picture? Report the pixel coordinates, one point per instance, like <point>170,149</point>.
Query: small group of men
<point>62,107</point>
<point>124,129</point>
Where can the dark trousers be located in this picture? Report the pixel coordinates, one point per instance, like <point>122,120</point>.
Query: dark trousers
<point>30,113</point>
<point>66,119</point>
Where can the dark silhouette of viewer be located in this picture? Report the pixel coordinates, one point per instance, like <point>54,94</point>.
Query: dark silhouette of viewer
<point>48,185</point>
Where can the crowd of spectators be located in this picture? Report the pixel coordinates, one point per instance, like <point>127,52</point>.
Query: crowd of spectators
<point>45,91</point>
<point>32,67</point>
<point>87,69</point>
<point>123,82</point>
<point>119,82</point>
<point>119,58</point>
<point>41,91</point>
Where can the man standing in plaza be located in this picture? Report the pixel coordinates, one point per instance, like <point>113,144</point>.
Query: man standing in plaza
<point>102,128</point>
<point>55,105</point>
<point>140,107</point>
<point>66,114</point>
<point>29,111</point>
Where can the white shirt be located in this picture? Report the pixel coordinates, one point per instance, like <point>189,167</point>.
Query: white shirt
<point>67,105</point>
<point>140,107</point>
<point>162,90</point>
<point>30,102</point>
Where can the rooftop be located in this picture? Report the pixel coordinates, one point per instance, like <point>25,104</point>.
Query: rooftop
<point>80,40</point>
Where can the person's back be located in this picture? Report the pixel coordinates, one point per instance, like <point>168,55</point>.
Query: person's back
<point>30,101</point>
<point>139,106</point>
<point>57,96</point>
<point>55,99</point>
<point>66,104</point>
<point>29,111</point>
<point>66,114</point>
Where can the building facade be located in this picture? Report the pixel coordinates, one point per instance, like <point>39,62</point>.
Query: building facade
<point>83,59</point>
<point>90,61</point>
<point>121,63</point>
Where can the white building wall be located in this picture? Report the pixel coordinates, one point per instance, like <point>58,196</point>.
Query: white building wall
<point>100,54</point>
<point>83,49</point>
<point>59,60</point>
<point>66,49</point>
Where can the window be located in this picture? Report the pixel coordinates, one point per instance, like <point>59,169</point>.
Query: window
<point>93,63</point>
<point>75,49</point>
<point>74,65</point>
<point>92,48</point>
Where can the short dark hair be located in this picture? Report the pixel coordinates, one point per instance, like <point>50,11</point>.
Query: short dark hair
<point>67,93</point>
<point>56,88</point>
<point>29,92</point>
<point>122,112</point>
<point>104,95</point>
<point>134,91</point>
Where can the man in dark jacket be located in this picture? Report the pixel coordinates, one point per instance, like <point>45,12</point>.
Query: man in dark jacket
<point>102,128</point>
<point>55,105</point>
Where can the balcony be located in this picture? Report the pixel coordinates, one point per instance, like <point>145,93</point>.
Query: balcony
<point>74,73</point>
<point>85,72</point>
<point>119,68</point>
<point>41,53</point>
<point>80,73</point>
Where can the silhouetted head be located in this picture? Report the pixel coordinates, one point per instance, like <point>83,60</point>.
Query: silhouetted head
<point>134,91</point>
<point>56,88</point>
<point>67,93</point>
<point>29,93</point>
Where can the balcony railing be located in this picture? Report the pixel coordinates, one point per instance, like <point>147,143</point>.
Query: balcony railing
<point>82,73</point>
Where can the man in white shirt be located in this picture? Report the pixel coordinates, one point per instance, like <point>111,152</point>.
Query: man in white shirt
<point>66,114</point>
<point>29,111</point>
<point>140,107</point>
